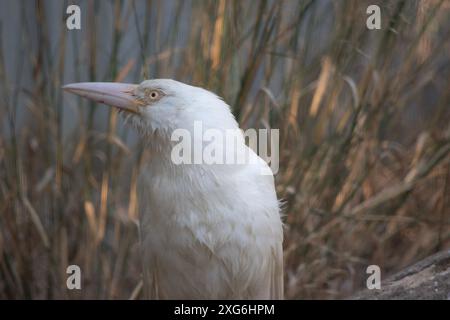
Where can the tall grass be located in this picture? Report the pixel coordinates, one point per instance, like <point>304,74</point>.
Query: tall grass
<point>364,119</point>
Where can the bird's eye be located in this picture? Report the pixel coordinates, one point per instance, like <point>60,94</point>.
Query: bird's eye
<point>154,95</point>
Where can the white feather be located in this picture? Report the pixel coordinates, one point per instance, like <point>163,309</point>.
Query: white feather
<point>207,231</point>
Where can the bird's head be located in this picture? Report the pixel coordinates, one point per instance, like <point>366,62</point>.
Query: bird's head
<point>159,106</point>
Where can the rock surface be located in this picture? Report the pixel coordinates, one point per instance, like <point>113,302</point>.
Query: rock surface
<point>427,279</point>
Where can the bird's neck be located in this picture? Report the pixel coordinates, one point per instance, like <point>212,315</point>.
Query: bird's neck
<point>160,158</point>
<point>166,157</point>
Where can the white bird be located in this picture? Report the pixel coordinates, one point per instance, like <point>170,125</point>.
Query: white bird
<point>207,231</point>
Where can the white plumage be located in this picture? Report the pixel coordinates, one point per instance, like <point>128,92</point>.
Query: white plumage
<point>208,231</point>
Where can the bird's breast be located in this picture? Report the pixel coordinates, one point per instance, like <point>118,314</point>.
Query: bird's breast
<point>207,228</point>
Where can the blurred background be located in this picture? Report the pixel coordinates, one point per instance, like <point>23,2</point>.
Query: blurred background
<point>364,119</point>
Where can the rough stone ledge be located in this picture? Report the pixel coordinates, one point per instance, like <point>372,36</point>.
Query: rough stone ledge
<point>427,279</point>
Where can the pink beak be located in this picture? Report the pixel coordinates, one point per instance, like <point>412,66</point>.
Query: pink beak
<point>120,95</point>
